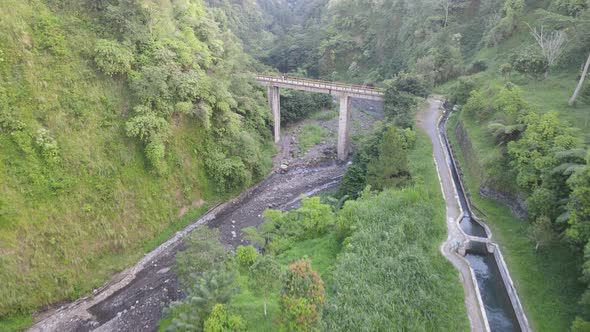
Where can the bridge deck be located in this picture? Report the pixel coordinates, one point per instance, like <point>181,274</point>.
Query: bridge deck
<point>333,88</point>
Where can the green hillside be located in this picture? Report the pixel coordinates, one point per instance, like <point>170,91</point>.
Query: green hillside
<point>115,116</point>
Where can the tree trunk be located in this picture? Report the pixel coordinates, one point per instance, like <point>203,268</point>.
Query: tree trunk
<point>265,306</point>
<point>264,302</point>
<point>580,83</point>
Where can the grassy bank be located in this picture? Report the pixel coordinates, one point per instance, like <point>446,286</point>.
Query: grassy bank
<point>547,280</point>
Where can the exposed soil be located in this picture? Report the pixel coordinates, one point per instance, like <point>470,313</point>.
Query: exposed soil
<point>133,300</point>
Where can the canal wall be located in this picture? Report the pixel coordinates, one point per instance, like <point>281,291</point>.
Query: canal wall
<point>476,244</point>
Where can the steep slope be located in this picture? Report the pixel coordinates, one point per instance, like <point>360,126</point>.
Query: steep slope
<point>116,119</point>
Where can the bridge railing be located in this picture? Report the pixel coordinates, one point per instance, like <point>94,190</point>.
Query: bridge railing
<point>352,88</point>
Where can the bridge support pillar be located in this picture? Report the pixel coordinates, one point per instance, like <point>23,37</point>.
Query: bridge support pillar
<point>274,100</point>
<point>344,127</point>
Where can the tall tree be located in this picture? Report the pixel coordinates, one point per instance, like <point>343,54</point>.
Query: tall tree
<point>572,100</point>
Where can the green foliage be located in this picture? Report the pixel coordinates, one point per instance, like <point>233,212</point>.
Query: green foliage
<point>541,232</point>
<point>311,134</point>
<point>505,70</point>
<point>529,62</point>
<point>302,297</point>
<point>571,7</point>
<point>229,173</point>
<point>47,145</point>
<point>280,230</point>
<point>220,320</point>
<point>213,288</point>
<point>264,276</point>
<point>512,10</point>
<point>390,169</point>
<point>531,154</point>
<point>399,105</point>
<point>392,263</point>
<point>412,84</point>
<point>579,207</point>
<point>297,105</point>
<point>477,67</point>
<point>50,35</point>
<point>477,105</point>
<point>112,58</point>
<point>461,90</point>
<point>246,255</point>
<point>203,252</point>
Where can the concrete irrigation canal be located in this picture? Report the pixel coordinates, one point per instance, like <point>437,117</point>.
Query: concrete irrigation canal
<point>471,241</point>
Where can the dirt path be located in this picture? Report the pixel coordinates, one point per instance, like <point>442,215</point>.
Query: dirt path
<point>133,300</point>
<point>428,119</point>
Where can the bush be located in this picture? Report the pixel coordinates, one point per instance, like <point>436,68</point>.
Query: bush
<point>406,82</point>
<point>112,58</point>
<point>47,146</point>
<point>302,297</point>
<point>189,314</point>
<point>461,90</point>
<point>391,168</point>
<point>203,252</point>
<point>477,106</point>
<point>505,70</point>
<point>228,173</point>
<point>529,62</point>
<point>220,320</point>
<point>399,105</point>
<point>297,105</point>
<point>246,255</point>
<point>478,66</point>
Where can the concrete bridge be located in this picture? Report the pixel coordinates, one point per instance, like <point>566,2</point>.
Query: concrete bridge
<point>343,91</point>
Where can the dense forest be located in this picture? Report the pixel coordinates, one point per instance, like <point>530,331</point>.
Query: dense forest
<point>121,121</point>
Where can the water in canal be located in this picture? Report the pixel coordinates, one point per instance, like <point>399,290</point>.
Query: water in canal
<point>501,316</point>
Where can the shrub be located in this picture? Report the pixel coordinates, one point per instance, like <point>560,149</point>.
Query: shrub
<point>529,62</point>
<point>203,252</point>
<point>477,105</point>
<point>505,70</point>
<point>112,58</point>
<point>220,320</point>
<point>399,105</point>
<point>189,314</point>
<point>228,173</point>
<point>302,297</point>
<point>297,105</point>
<point>50,35</point>
<point>246,255</point>
<point>391,168</point>
<point>47,145</point>
<point>155,151</point>
<point>478,66</point>
<point>461,90</point>
<point>148,127</point>
<point>264,276</point>
<point>410,83</point>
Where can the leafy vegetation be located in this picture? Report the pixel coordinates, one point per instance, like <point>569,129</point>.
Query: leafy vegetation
<point>311,134</point>
<point>315,260</point>
<point>112,114</point>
